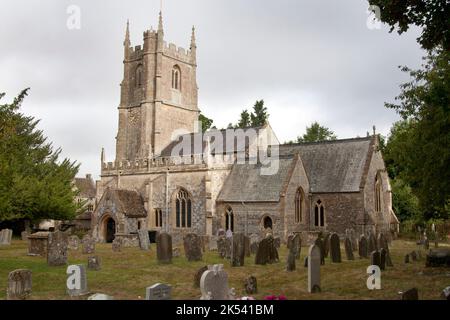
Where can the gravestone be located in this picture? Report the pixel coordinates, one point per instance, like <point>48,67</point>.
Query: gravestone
<point>192,247</point>
<point>158,291</point>
<point>238,250</point>
<point>100,296</point>
<point>228,245</point>
<point>293,245</point>
<point>77,280</point>
<point>214,284</point>
<point>335,248</point>
<point>19,284</point>
<point>198,276</point>
<point>94,263</point>
<point>375,258</point>
<point>314,269</point>
<point>354,240</point>
<point>363,247</point>
<point>320,244</point>
<point>5,237</point>
<point>247,246</point>
<point>383,254</point>
<point>164,248</point>
<point>445,294</point>
<point>295,240</point>
<point>37,244</point>
<point>348,249</point>
<point>266,253</point>
<point>74,243</point>
<point>290,263</point>
<point>407,258</point>
<point>411,294</point>
<point>438,258</point>
<point>144,240</point>
<point>383,244</point>
<point>116,245</point>
<point>254,242</point>
<point>277,242</point>
<point>372,243</point>
<point>57,249</point>
<point>251,285</point>
<point>413,256</point>
<point>24,235</point>
<point>88,244</point>
<point>326,244</point>
<point>222,246</point>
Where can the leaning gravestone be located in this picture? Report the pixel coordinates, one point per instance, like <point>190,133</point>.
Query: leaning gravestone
<point>198,276</point>
<point>192,247</point>
<point>348,249</point>
<point>362,247</point>
<point>19,284</point>
<point>158,291</point>
<point>335,248</point>
<point>383,254</point>
<point>251,285</point>
<point>214,284</point>
<point>88,244</point>
<point>320,244</point>
<point>57,249</point>
<point>375,258</point>
<point>222,246</point>
<point>74,243</point>
<point>314,269</point>
<point>76,281</point>
<point>144,240</point>
<point>164,248</point>
<point>238,250</point>
<point>94,263</point>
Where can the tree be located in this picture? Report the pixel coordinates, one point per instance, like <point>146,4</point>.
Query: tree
<point>244,122</point>
<point>421,148</point>
<point>259,116</point>
<point>33,185</point>
<point>404,202</point>
<point>206,122</point>
<point>431,16</point>
<point>316,133</point>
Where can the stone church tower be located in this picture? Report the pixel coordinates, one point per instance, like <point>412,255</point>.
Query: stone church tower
<point>158,95</point>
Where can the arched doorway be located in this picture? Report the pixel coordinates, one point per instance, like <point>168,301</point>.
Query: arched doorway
<point>268,223</point>
<point>110,230</point>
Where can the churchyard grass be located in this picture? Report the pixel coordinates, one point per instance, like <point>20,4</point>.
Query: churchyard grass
<point>126,274</point>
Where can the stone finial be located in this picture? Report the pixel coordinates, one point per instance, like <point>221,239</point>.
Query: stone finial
<point>103,156</point>
<point>160,23</point>
<point>193,42</point>
<point>374,130</point>
<point>127,42</point>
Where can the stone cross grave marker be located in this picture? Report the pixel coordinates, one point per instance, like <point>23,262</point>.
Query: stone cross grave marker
<point>159,291</point>
<point>19,284</point>
<point>314,269</point>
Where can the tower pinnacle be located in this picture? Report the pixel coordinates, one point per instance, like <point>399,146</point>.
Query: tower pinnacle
<point>160,23</point>
<point>193,44</point>
<point>127,42</point>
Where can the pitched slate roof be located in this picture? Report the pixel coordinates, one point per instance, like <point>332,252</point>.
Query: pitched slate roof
<point>86,187</point>
<point>333,166</point>
<point>127,202</point>
<point>246,183</point>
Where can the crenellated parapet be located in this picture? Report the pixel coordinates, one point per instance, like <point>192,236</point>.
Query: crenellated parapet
<point>178,53</point>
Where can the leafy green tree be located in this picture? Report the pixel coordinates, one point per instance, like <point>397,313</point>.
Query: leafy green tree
<point>404,202</point>
<point>33,184</point>
<point>431,16</point>
<point>206,122</point>
<point>244,122</point>
<point>316,133</point>
<point>259,116</point>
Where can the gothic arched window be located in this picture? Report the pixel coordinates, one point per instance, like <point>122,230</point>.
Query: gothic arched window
<point>158,218</point>
<point>378,193</point>
<point>139,76</point>
<point>299,200</point>
<point>229,219</point>
<point>183,209</point>
<point>319,214</point>
<point>176,78</point>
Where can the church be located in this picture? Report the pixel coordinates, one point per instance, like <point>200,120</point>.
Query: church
<point>169,176</point>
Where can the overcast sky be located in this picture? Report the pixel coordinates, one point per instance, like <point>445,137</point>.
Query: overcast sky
<point>314,60</point>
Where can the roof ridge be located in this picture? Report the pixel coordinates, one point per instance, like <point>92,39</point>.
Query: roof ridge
<point>327,141</point>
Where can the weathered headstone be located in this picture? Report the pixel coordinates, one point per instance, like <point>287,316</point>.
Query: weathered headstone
<point>247,246</point>
<point>228,246</point>
<point>438,258</point>
<point>76,280</point>
<point>348,249</point>
<point>100,296</point>
<point>277,242</point>
<point>164,248</point>
<point>375,258</point>
<point>238,250</point>
<point>383,254</point>
<point>254,242</point>
<point>74,243</point>
<point>290,263</point>
<point>335,248</point>
<point>94,263</point>
<point>5,237</point>
<point>214,284</point>
<point>411,294</point>
<point>19,284</point>
<point>88,244</point>
<point>57,249</point>
<point>251,285</point>
<point>372,243</point>
<point>354,240</point>
<point>314,269</point>
<point>446,293</point>
<point>267,253</point>
<point>158,291</point>
<point>407,258</point>
<point>192,247</point>
<point>320,244</point>
<point>384,244</point>
<point>117,245</point>
<point>222,246</point>
<point>198,276</point>
<point>144,240</point>
<point>326,244</point>
<point>24,235</point>
<point>363,247</point>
